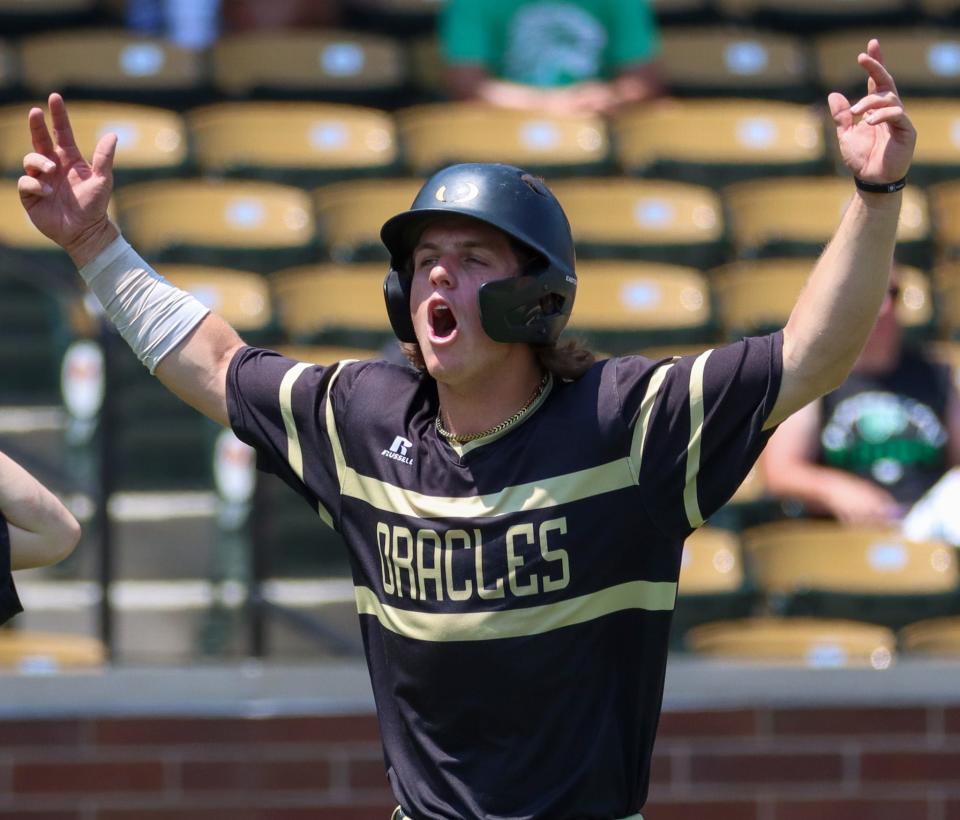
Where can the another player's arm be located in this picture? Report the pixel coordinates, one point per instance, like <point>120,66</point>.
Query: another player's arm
<point>837,309</point>
<point>42,530</point>
<point>187,348</point>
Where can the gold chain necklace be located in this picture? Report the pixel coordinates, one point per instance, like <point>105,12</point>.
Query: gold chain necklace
<point>453,438</point>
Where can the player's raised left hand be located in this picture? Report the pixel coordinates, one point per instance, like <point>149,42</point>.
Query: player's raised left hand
<point>878,147</point>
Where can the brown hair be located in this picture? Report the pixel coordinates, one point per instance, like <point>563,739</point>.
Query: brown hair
<point>568,359</point>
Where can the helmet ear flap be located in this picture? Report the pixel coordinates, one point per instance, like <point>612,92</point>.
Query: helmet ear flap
<point>396,293</point>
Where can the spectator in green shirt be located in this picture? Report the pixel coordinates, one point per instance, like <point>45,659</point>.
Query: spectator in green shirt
<point>561,56</point>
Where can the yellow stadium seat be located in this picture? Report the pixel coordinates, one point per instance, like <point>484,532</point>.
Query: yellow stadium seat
<point>711,586</point>
<point>735,62</point>
<point>923,59</point>
<point>256,225</point>
<point>624,306</point>
<point>334,64</point>
<point>297,142</point>
<point>649,219</point>
<point>110,63</point>
<point>798,215</point>
<point>934,637</point>
<point>711,563</point>
<point>443,133</point>
<point>872,573</point>
<point>349,215</point>
<point>797,641</point>
<point>945,215</point>
<point>333,304</point>
<point>28,651</point>
<point>757,296</point>
<point>150,141</point>
<point>240,297</point>
<point>719,140</point>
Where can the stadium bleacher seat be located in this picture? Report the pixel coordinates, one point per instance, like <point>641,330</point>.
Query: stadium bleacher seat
<point>944,198</point>
<point>349,215</point>
<point>242,298</point>
<point>300,143</point>
<point>756,296</point>
<point>809,642</point>
<point>111,64</point>
<point>816,14</point>
<point>792,216</point>
<point>933,637</point>
<point>442,133</point>
<point>151,141</point>
<point>940,10</point>
<point>323,64</point>
<point>624,305</point>
<point>333,304</point>
<point>923,59</point>
<point>709,60</point>
<point>712,583</point>
<point>645,219</point>
<point>719,141</point>
<point>247,224</point>
<point>866,573</point>
<point>32,652</point>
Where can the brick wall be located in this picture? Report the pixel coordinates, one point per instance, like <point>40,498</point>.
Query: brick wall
<point>764,764</point>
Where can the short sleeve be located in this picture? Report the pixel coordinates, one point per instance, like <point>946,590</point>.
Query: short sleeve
<point>285,410</point>
<point>634,37</point>
<point>9,600</point>
<point>697,426</point>
<point>466,35</point>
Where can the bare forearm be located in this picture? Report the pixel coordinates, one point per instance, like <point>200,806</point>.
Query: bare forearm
<point>838,307</point>
<point>42,530</point>
<point>196,370</point>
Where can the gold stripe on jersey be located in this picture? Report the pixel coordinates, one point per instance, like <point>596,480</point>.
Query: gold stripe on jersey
<point>690,502</point>
<point>294,451</point>
<point>520,622</point>
<point>646,411</point>
<point>535,495</point>
<point>332,434</point>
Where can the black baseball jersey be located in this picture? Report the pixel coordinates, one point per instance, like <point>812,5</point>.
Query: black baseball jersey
<point>515,593</point>
<point>890,428</point>
<point>9,601</point>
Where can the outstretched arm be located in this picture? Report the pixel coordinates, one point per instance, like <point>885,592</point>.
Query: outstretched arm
<point>173,335</point>
<point>42,530</point>
<point>836,310</point>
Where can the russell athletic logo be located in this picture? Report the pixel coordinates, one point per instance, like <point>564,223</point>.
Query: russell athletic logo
<point>398,450</point>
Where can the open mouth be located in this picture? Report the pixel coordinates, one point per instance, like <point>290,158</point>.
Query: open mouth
<point>442,321</point>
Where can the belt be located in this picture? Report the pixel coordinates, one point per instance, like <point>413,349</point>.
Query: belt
<point>400,814</point>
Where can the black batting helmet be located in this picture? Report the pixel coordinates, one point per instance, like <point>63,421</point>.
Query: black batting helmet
<point>532,307</point>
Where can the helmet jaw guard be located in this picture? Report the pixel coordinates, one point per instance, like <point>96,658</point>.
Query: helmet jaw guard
<point>531,308</point>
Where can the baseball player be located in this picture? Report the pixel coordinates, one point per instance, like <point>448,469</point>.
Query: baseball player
<point>35,530</point>
<point>514,514</point>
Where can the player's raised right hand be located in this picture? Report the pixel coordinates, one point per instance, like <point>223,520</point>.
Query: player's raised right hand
<point>65,196</point>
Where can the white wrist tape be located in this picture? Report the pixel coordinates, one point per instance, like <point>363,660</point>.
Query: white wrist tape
<point>152,315</point>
